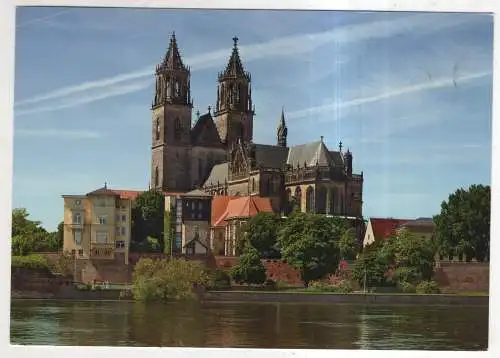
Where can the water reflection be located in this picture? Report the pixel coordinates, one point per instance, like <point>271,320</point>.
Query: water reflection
<point>263,325</point>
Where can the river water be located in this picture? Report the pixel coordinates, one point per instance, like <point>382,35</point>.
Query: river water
<point>257,325</point>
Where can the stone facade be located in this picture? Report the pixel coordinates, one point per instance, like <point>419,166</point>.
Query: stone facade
<point>219,156</point>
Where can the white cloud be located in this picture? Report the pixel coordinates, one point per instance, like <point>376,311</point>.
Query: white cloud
<point>284,46</point>
<point>396,92</point>
<point>58,133</point>
<point>75,101</point>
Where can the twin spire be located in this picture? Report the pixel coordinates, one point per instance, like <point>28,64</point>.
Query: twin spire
<point>172,59</point>
<point>234,67</point>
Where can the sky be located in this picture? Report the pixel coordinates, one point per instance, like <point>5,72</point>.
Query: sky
<point>409,94</point>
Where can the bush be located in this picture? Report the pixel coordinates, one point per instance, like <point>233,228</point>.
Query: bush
<point>162,280</point>
<point>428,287</point>
<point>219,279</point>
<point>342,286</point>
<point>30,262</point>
<point>249,269</point>
<point>406,287</point>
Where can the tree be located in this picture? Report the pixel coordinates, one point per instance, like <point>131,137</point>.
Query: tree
<point>163,280</point>
<point>371,268</point>
<point>463,225</point>
<point>349,244</point>
<point>260,232</point>
<point>249,269</point>
<point>309,242</point>
<point>147,218</point>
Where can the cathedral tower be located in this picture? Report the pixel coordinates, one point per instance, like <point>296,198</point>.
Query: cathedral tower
<point>171,115</point>
<point>233,110</point>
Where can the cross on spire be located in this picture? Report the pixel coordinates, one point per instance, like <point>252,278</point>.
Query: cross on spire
<point>235,40</point>
<point>340,146</point>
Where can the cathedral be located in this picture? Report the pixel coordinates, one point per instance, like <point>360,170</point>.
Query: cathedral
<point>218,155</point>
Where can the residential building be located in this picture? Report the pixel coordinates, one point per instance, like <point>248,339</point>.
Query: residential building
<point>97,225</point>
<point>380,228</point>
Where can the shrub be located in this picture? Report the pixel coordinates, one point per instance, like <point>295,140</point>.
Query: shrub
<point>342,286</point>
<point>219,279</point>
<point>249,269</point>
<point>30,262</point>
<point>162,280</point>
<point>406,287</point>
<point>428,287</point>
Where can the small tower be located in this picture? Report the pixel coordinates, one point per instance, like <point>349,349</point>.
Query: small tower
<point>233,109</point>
<point>282,130</point>
<point>348,163</point>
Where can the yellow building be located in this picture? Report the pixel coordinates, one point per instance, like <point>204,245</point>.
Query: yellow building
<point>97,225</point>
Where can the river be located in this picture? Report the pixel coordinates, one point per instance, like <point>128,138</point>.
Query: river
<point>257,325</point>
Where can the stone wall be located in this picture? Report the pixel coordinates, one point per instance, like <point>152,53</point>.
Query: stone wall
<point>463,276</point>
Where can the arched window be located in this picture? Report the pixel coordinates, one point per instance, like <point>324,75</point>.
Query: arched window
<point>321,200</point>
<point>177,88</point>
<point>310,200</point>
<point>169,88</point>
<point>157,178</point>
<point>157,129</point>
<point>298,198</point>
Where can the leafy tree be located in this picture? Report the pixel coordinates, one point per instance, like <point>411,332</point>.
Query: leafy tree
<point>309,242</point>
<point>372,266</point>
<point>21,225</point>
<point>22,245</point>
<point>348,244</point>
<point>463,225</point>
<point>163,280</point>
<point>249,269</point>
<point>148,218</point>
<point>260,232</point>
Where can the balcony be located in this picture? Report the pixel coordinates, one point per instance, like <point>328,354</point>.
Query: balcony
<point>102,251</point>
<point>76,225</point>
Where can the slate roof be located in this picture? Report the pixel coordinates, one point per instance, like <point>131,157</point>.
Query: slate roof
<point>197,193</point>
<point>205,132</point>
<point>312,153</point>
<point>104,191</point>
<point>218,173</point>
<point>172,59</point>
<point>270,156</point>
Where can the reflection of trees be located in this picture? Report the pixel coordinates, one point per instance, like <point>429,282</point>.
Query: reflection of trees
<point>259,325</point>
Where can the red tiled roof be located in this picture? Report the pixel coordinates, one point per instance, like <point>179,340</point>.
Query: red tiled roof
<point>219,205</point>
<point>244,207</point>
<point>127,194</point>
<point>383,228</point>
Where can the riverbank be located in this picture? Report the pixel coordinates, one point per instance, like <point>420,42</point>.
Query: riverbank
<point>277,296</point>
<point>353,298</point>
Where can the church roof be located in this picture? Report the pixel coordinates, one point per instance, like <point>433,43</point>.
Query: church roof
<point>197,193</point>
<point>244,207</point>
<point>270,156</point>
<point>311,154</point>
<point>205,132</point>
<point>172,59</point>
<point>218,174</point>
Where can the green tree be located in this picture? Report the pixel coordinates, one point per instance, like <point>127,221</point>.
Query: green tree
<point>371,268</point>
<point>463,225</point>
<point>148,219</point>
<point>22,245</point>
<point>249,269</point>
<point>163,280</point>
<point>348,244</point>
<point>261,232</point>
<point>309,242</point>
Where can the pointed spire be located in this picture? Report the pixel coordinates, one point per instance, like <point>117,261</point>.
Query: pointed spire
<point>282,129</point>
<point>234,67</point>
<point>172,58</point>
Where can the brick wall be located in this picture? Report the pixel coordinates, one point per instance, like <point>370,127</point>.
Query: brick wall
<point>463,276</point>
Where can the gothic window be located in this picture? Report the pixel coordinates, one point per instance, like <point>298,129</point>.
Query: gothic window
<point>310,199</point>
<point>298,197</point>
<point>169,89</point>
<point>157,129</point>
<point>177,128</point>
<point>321,200</point>
<point>157,177</point>
<point>289,201</point>
<point>177,88</point>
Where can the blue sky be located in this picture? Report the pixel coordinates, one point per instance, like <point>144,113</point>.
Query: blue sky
<point>408,93</point>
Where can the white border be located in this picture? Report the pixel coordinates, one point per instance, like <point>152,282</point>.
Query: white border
<point>7,40</point>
